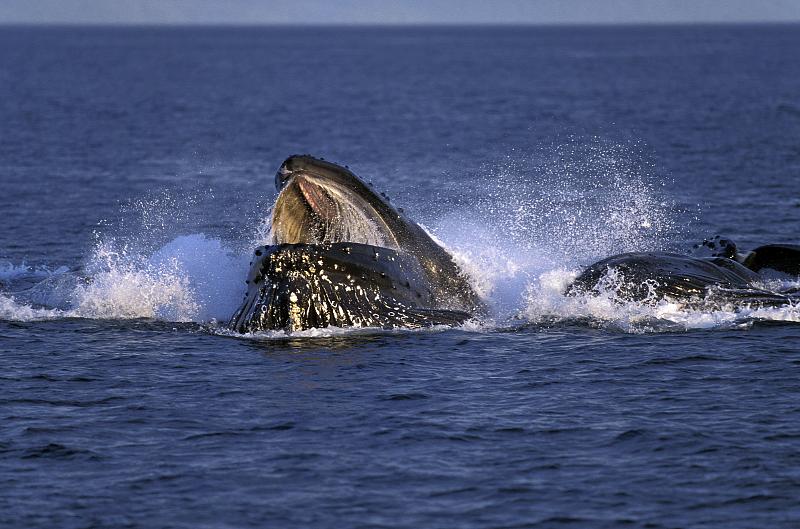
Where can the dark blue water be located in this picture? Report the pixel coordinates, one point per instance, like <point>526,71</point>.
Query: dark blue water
<point>136,169</point>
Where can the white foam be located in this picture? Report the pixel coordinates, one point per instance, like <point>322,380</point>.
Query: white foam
<point>332,332</point>
<point>191,278</point>
<point>545,299</point>
<point>12,310</point>
<point>519,283</point>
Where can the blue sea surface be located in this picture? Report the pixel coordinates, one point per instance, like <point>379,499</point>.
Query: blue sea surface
<point>136,172</point>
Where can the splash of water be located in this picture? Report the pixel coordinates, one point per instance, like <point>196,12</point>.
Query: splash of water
<point>568,208</point>
<point>534,224</point>
<point>191,278</point>
<point>12,310</point>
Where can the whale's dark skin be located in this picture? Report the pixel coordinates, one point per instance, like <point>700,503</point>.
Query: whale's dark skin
<point>781,257</point>
<point>724,276</point>
<point>344,256</point>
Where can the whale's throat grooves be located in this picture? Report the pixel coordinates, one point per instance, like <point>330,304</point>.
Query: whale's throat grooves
<point>311,210</point>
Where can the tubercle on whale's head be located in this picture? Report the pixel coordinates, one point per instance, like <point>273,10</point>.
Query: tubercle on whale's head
<point>320,202</point>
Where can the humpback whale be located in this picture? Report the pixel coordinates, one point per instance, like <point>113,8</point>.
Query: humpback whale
<point>717,274</point>
<point>341,255</point>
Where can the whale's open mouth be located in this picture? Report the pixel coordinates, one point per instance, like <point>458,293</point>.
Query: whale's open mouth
<point>317,207</point>
<point>341,255</point>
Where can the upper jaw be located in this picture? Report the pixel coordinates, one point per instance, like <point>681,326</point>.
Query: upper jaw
<point>282,176</point>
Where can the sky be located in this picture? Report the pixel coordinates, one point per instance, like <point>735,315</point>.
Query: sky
<point>395,11</point>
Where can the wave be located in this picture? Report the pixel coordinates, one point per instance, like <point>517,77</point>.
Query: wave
<point>10,272</point>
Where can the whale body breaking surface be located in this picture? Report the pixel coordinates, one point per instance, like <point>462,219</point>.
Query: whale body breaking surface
<point>341,255</point>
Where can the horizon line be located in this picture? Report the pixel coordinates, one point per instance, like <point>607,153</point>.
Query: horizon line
<point>345,25</point>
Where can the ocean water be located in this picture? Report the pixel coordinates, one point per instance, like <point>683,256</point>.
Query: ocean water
<point>137,175</point>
